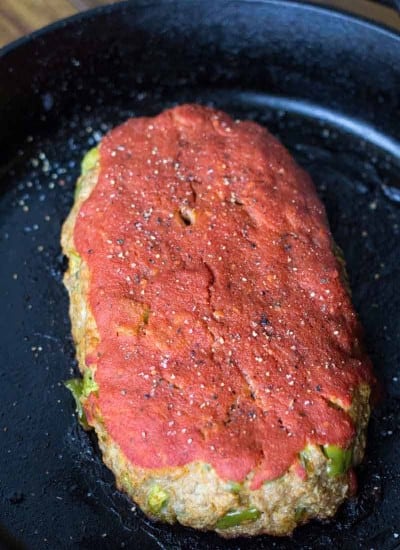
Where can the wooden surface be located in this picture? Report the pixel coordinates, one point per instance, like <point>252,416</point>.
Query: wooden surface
<point>19,17</point>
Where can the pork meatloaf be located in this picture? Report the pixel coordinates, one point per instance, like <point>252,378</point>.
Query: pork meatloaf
<point>221,358</point>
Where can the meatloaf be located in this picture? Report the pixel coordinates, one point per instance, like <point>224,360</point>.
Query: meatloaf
<point>222,363</point>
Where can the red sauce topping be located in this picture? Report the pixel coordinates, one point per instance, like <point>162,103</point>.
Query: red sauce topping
<point>225,330</point>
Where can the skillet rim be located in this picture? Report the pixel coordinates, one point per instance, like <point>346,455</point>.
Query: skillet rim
<point>302,7</point>
<point>331,11</point>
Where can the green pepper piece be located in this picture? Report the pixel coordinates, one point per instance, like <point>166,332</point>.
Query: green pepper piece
<point>75,386</point>
<point>157,499</point>
<point>125,483</point>
<point>233,486</point>
<point>81,388</point>
<point>306,460</point>
<point>74,262</point>
<point>300,513</point>
<point>78,188</point>
<point>90,160</point>
<point>89,384</point>
<point>339,459</point>
<point>237,517</point>
<point>338,252</point>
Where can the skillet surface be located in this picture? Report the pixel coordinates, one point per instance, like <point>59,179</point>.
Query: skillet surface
<point>328,86</point>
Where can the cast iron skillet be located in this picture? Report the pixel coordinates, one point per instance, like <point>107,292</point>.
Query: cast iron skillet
<point>328,85</point>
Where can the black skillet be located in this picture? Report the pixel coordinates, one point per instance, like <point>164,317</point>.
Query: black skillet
<point>329,86</point>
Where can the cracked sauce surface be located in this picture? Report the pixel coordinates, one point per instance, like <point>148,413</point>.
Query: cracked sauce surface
<point>226,333</point>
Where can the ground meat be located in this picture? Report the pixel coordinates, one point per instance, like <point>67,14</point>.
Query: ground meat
<point>221,332</point>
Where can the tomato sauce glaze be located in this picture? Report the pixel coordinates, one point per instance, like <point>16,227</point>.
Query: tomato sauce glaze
<point>226,333</point>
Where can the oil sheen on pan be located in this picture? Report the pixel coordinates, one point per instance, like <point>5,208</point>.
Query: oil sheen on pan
<point>222,362</point>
